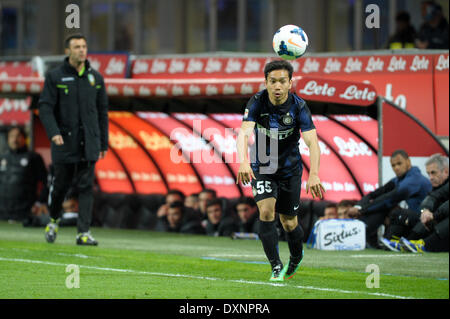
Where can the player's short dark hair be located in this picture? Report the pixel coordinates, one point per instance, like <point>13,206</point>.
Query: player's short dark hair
<point>213,202</point>
<point>278,65</point>
<point>176,192</point>
<point>400,152</point>
<point>73,36</point>
<point>331,205</point>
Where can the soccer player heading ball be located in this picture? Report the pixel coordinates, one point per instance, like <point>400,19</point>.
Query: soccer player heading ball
<point>277,116</point>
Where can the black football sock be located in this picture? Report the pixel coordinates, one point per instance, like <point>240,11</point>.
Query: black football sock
<point>295,242</point>
<point>269,239</point>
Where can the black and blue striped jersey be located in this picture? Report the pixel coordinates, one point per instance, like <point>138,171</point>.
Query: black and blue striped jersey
<point>277,127</point>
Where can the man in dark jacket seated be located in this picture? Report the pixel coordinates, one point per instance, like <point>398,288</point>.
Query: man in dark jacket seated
<point>23,182</point>
<point>410,231</point>
<point>219,224</point>
<point>247,212</point>
<point>409,185</point>
<point>435,222</point>
<point>179,220</point>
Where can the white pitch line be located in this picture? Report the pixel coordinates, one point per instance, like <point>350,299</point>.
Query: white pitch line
<point>236,255</point>
<point>205,278</point>
<point>384,256</point>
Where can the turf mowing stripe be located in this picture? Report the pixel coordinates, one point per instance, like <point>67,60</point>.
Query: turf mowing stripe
<point>205,278</point>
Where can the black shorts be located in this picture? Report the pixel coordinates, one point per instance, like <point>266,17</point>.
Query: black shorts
<point>285,191</point>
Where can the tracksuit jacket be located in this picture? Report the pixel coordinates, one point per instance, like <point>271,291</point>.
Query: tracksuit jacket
<point>75,105</point>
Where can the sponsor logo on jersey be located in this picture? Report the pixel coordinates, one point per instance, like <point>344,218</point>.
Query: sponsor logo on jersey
<point>275,133</point>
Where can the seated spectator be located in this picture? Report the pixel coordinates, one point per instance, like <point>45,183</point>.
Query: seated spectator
<point>191,201</point>
<point>409,185</point>
<point>330,212</point>
<point>437,238</point>
<point>179,220</point>
<point>218,224</point>
<point>405,34</point>
<point>247,212</point>
<point>433,34</point>
<point>203,197</point>
<point>343,206</point>
<point>432,223</point>
<point>23,180</point>
<point>173,195</point>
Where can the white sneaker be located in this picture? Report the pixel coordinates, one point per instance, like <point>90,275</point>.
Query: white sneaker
<point>86,239</point>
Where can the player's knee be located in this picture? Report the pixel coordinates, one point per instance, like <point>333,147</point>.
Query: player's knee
<point>289,224</point>
<point>266,214</point>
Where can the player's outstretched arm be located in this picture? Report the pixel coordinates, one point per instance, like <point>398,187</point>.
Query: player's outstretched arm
<point>313,184</point>
<point>245,173</point>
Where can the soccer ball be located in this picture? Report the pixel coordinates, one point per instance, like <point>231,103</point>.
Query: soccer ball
<point>290,42</point>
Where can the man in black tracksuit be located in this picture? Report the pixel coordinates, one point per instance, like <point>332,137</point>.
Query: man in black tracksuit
<point>73,108</point>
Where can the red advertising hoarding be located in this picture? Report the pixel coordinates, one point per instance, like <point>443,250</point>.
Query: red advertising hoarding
<point>231,120</point>
<point>221,138</point>
<point>143,172</point>
<point>360,159</point>
<point>333,174</point>
<point>15,111</point>
<point>363,125</point>
<point>416,82</point>
<point>16,69</point>
<point>402,131</point>
<point>407,80</point>
<point>159,149</point>
<point>197,151</point>
<point>26,85</point>
<point>441,96</point>
<point>111,175</point>
<point>198,67</point>
<point>324,90</point>
<point>110,65</point>
<point>178,88</point>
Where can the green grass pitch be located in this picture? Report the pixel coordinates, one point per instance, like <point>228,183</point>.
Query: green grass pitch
<point>131,264</point>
